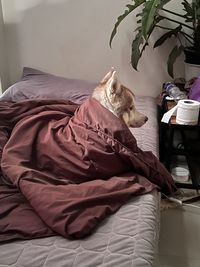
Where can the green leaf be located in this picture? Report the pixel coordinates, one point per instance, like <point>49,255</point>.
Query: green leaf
<point>167,35</point>
<point>138,41</point>
<point>174,54</point>
<point>149,15</point>
<point>124,15</point>
<point>135,55</point>
<point>189,9</point>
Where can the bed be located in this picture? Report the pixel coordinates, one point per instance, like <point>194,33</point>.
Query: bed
<point>129,237</point>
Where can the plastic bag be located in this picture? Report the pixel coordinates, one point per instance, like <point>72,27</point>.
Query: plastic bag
<point>195,90</point>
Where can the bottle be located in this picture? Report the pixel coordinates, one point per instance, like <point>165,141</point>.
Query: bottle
<point>174,92</point>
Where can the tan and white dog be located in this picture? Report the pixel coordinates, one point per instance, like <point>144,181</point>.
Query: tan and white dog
<point>119,100</point>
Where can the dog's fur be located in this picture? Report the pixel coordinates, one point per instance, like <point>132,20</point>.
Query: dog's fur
<point>119,100</point>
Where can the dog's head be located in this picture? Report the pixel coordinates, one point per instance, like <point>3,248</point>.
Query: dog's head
<point>119,100</point>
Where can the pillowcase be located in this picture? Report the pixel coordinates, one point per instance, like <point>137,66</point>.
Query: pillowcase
<point>36,84</point>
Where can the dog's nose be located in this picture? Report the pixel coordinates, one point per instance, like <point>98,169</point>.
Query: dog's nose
<point>146,118</point>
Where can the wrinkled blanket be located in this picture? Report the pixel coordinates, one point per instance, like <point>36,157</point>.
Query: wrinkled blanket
<point>65,167</point>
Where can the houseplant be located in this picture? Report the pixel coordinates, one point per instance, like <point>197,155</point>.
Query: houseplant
<point>153,14</point>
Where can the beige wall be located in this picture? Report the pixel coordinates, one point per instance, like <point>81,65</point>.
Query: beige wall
<point>70,38</point>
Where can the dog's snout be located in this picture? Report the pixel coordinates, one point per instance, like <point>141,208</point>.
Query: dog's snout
<point>146,118</point>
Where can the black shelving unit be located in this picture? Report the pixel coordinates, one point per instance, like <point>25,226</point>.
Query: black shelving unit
<point>189,146</point>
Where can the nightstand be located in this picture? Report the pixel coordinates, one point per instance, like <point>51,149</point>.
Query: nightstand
<point>188,145</point>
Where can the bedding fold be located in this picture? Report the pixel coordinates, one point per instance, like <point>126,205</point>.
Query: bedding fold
<point>66,167</point>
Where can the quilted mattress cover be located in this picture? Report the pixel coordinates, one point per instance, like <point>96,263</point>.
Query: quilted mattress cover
<point>129,238</point>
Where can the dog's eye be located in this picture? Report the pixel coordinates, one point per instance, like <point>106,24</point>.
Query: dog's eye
<point>131,108</point>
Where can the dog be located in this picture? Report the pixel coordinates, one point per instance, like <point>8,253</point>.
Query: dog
<point>119,100</point>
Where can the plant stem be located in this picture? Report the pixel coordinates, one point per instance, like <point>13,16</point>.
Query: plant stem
<point>171,12</point>
<point>183,24</point>
<point>189,37</point>
<point>184,33</point>
<point>165,28</point>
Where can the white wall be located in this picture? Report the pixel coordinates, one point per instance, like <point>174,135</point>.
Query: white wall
<point>3,59</point>
<point>70,38</point>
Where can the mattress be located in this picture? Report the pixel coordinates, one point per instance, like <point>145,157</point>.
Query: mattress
<point>128,238</point>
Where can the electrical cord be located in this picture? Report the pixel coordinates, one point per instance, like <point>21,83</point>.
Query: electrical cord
<point>191,205</point>
<point>179,202</point>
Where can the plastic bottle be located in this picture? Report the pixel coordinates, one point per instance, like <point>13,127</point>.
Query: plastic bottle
<point>174,92</point>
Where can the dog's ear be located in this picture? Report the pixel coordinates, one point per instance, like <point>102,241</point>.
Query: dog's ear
<point>108,76</point>
<point>114,84</point>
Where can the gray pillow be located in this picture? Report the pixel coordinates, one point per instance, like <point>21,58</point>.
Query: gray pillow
<point>36,84</point>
